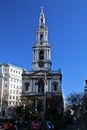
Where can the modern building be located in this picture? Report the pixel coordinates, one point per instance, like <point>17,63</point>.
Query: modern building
<point>10,85</point>
<point>42,81</point>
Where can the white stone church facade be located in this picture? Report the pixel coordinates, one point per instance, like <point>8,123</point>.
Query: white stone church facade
<point>41,79</point>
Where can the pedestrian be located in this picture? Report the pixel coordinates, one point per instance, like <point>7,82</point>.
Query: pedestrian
<point>16,128</point>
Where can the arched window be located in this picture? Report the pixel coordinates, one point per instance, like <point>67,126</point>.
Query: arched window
<point>41,55</point>
<point>55,86</point>
<point>41,86</point>
<point>27,86</point>
<point>41,38</point>
<point>41,21</point>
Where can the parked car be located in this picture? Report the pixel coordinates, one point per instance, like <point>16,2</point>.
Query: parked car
<point>2,120</point>
<point>8,124</point>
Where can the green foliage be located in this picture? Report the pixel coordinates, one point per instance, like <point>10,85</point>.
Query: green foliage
<point>74,100</point>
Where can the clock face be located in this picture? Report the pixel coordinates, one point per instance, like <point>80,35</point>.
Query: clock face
<point>41,64</point>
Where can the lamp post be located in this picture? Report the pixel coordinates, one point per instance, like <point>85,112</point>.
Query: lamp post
<point>45,84</point>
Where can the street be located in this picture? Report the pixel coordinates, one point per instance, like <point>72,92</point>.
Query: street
<point>73,127</point>
<point>70,127</point>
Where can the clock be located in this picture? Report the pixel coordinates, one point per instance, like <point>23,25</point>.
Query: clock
<point>41,64</point>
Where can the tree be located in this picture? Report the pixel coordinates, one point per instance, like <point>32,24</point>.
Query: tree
<point>85,110</point>
<point>74,101</point>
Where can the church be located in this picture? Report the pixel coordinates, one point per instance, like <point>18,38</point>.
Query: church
<point>42,86</point>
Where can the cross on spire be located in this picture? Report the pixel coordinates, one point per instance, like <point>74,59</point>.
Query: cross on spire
<point>41,9</point>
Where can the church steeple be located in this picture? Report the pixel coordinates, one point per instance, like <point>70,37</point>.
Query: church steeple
<point>42,49</point>
<point>42,18</point>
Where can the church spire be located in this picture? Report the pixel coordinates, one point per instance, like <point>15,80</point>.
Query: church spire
<point>42,49</point>
<point>42,18</point>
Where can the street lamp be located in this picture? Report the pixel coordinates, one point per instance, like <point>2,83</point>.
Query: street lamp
<point>45,84</point>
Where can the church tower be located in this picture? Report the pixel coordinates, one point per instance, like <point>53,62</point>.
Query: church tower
<point>42,49</point>
<point>42,80</point>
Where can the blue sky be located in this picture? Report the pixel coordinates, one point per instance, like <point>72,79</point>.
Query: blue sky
<point>67,25</point>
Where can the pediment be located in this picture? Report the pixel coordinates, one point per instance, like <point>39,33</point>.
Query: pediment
<point>40,72</point>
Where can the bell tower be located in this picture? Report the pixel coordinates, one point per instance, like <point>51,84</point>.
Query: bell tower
<point>41,49</point>
<point>42,82</point>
